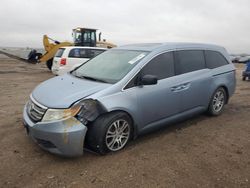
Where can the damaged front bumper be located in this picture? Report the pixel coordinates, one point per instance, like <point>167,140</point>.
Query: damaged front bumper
<point>65,137</point>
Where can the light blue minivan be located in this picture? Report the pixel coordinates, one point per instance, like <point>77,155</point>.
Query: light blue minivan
<point>125,92</point>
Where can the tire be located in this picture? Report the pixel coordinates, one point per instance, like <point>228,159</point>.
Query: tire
<point>49,63</point>
<point>101,135</point>
<point>217,102</point>
<point>34,57</point>
<point>38,56</point>
<point>243,78</point>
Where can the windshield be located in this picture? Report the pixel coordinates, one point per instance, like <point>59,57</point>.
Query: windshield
<point>110,66</point>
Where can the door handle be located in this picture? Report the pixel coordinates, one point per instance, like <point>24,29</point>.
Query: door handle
<point>177,88</point>
<point>186,85</point>
<point>180,87</point>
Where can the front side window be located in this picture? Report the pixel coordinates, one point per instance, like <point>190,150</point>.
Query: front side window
<point>189,60</point>
<point>94,52</point>
<point>214,59</point>
<point>110,66</point>
<point>84,53</point>
<point>161,66</point>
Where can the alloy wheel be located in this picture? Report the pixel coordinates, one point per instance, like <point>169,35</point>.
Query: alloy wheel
<point>117,135</point>
<point>218,101</point>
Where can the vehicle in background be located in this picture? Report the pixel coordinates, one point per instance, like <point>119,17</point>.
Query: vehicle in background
<point>244,59</point>
<point>81,37</point>
<point>128,91</point>
<point>68,58</point>
<point>246,72</point>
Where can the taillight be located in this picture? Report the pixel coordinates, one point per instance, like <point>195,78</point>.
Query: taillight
<point>63,61</point>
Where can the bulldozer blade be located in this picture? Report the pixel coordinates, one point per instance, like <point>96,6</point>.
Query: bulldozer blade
<point>16,57</point>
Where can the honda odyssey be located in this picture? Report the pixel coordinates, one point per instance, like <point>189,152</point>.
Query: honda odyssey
<point>128,91</point>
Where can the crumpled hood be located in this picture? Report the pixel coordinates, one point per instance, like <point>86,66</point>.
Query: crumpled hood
<point>62,91</point>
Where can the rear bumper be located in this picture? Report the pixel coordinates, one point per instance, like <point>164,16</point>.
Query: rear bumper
<point>64,137</point>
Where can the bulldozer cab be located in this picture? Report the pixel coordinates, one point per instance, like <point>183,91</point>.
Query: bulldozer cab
<point>84,37</point>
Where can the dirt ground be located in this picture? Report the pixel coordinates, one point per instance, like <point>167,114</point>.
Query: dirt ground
<point>201,152</point>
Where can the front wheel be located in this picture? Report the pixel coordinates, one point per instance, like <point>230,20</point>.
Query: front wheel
<point>109,133</point>
<point>217,102</point>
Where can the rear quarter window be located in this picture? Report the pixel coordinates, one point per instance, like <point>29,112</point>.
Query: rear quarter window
<point>189,60</point>
<point>214,59</point>
<point>59,52</point>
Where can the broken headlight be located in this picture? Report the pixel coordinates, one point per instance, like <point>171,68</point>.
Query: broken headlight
<point>90,110</point>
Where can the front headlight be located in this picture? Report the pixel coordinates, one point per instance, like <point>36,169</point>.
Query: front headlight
<point>58,114</point>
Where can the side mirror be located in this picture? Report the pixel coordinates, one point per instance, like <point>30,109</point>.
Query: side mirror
<point>149,80</point>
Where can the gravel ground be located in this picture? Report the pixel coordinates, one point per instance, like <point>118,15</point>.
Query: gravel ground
<point>201,152</point>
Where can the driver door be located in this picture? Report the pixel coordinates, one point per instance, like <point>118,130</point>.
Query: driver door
<point>160,101</point>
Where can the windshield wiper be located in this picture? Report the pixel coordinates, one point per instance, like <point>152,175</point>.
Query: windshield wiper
<point>91,78</point>
<point>87,77</point>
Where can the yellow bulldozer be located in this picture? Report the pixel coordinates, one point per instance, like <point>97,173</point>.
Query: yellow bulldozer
<point>81,37</point>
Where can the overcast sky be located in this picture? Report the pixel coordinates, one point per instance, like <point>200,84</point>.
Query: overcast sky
<point>223,22</point>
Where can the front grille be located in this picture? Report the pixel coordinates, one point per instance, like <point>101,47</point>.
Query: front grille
<point>35,111</point>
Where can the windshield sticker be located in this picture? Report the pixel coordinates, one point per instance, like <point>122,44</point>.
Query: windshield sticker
<point>137,58</point>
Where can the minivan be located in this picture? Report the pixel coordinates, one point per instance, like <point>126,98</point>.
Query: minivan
<point>70,57</point>
<point>128,91</point>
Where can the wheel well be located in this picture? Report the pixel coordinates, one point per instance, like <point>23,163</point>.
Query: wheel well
<point>134,128</point>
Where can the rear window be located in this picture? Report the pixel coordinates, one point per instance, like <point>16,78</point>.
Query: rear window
<point>189,60</point>
<point>84,53</point>
<point>214,59</point>
<point>59,52</point>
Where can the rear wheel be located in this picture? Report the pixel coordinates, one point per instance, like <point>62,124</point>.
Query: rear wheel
<point>109,133</point>
<point>243,78</point>
<point>217,102</point>
<point>49,63</point>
